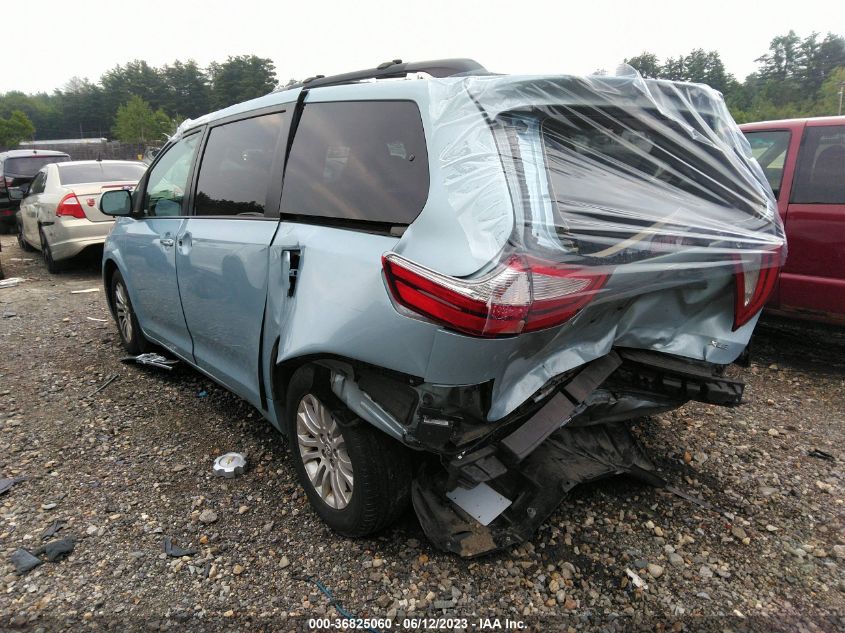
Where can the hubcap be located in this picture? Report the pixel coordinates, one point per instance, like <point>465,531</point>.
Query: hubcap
<point>123,310</point>
<point>323,452</point>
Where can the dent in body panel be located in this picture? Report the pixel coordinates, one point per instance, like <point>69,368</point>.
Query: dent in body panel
<point>694,324</point>
<point>341,306</point>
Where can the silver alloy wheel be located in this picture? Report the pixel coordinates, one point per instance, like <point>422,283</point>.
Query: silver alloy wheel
<point>323,452</point>
<point>123,310</point>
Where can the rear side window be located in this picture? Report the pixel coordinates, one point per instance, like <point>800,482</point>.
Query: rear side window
<point>769,148</point>
<point>100,172</point>
<point>38,183</point>
<point>821,167</point>
<point>28,166</point>
<point>360,161</point>
<point>237,167</point>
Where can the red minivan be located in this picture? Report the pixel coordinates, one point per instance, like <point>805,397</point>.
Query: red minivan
<point>804,161</point>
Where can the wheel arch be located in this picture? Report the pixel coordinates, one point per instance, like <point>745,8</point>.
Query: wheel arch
<point>341,378</point>
<point>109,268</point>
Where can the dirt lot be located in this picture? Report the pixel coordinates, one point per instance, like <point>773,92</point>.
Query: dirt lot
<point>130,465</point>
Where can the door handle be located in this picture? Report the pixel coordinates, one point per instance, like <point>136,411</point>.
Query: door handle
<point>291,260</point>
<point>166,241</point>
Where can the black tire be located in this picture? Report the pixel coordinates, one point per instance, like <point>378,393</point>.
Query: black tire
<point>53,267</point>
<point>25,246</point>
<point>132,338</point>
<point>381,466</point>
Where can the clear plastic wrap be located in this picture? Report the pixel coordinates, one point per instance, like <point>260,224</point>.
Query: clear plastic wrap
<point>618,187</point>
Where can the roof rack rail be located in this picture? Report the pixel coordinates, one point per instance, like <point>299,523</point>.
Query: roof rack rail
<point>395,68</point>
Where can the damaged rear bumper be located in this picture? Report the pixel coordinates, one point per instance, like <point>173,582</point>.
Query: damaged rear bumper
<point>534,488</point>
<point>500,491</point>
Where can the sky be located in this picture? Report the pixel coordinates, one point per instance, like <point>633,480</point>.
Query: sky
<point>84,38</point>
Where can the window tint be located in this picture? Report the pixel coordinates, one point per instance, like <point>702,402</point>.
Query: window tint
<point>38,183</point>
<point>169,179</point>
<point>769,148</point>
<point>236,167</point>
<point>821,166</point>
<point>100,172</point>
<point>28,166</point>
<point>358,161</point>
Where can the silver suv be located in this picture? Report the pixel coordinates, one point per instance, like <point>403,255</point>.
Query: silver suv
<point>453,288</point>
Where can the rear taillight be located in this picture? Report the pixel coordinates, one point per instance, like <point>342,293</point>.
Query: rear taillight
<point>6,182</point>
<point>754,280</point>
<point>521,295</point>
<point>69,206</point>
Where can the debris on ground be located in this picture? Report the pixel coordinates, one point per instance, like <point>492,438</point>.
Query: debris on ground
<point>171,549</point>
<point>58,549</point>
<point>109,381</point>
<point>685,495</point>
<point>332,600</point>
<point>97,320</point>
<point>53,529</point>
<point>230,465</point>
<point>152,359</point>
<point>82,292</point>
<point>821,455</point>
<point>10,282</point>
<point>24,560</point>
<point>639,583</point>
<point>7,482</point>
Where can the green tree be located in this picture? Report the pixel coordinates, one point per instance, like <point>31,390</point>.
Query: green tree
<point>241,78</point>
<point>783,58</point>
<point>647,64</point>
<point>137,78</point>
<point>83,110</point>
<point>706,67</point>
<point>828,102</point>
<point>15,129</point>
<point>188,89</point>
<point>819,59</point>
<point>136,122</point>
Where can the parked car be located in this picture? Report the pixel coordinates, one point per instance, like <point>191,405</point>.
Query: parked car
<point>453,289</point>
<point>804,162</point>
<point>17,169</point>
<point>59,214</point>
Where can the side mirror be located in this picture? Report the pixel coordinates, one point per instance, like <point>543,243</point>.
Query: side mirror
<point>16,193</point>
<point>117,203</point>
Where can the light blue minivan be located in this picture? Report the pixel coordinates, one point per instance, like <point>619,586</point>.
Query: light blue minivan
<point>449,286</point>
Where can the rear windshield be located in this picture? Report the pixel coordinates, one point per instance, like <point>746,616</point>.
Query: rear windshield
<point>100,172</point>
<point>28,166</point>
<point>622,185</point>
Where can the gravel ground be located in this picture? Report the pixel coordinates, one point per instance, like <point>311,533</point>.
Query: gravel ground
<point>131,465</point>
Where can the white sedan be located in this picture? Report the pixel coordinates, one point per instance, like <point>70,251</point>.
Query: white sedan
<point>60,214</point>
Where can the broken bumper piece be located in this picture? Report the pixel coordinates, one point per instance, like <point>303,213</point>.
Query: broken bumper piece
<point>535,488</point>
<point>498,495</point>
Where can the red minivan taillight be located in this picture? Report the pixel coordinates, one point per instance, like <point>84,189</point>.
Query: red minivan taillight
<point>69,206</point>
<point>753,283</point>
<point>522,294</point>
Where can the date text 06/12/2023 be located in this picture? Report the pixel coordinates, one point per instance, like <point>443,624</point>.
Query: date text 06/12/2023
<point>416,624</point>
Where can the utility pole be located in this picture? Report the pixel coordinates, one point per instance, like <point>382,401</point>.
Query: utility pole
<point>841,88</point>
